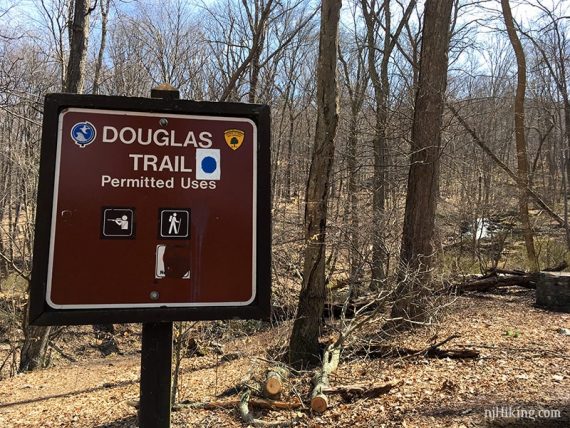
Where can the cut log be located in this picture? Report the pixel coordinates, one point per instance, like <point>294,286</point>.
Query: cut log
<point>274,379</point>
<point>319,401</point>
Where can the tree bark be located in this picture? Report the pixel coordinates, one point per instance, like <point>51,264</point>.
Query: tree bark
<point>304,342</point>
<point>105,5</point>
<point>34,348</point>
<point>520,140</point>
<point>79,32</point>
<point>423,179</point>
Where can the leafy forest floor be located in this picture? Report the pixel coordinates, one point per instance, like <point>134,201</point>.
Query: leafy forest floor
<point>522,370</point>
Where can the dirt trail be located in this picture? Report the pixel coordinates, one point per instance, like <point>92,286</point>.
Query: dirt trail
<point>524,367</point>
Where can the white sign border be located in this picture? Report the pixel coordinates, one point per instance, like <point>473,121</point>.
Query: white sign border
<point>161,304</point>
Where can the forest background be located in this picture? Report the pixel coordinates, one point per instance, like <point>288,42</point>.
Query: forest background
<point>266,51</point>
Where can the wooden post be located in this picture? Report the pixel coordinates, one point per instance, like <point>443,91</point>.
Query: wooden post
<point>156,354</point>
<point>156,372</point>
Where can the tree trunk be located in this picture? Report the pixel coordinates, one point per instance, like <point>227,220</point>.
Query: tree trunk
<point>381,85</point>
<point>355,275</point>
<point>34,348</point>
<point>356,91</point>
<point>520,141</point>
<point>423,179</point>
<point>75,78</point>
<point>105,4</point>
<point>304,342</point>
<point>36,338</point>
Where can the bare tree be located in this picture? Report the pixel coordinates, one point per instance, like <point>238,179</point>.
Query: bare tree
<point>423,181</point>
<point>520,140</point>
<point>104,6</point>
<point>379,16</point>
<point>78,41</point>
<point>304,343</point>
<point>355,80</point>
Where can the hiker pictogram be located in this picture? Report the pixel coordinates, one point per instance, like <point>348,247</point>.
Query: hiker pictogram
<point>174,223</point>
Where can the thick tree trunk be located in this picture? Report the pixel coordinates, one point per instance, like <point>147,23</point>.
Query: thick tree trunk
<point>79,32</point>
<point>522,158</point>
<point>423,180</point>
<point>304,343</point>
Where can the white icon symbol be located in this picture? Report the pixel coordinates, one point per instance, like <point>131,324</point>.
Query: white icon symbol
<point>174,228</point>
<point>122,222</point>
<point>174,224</point>
<point>118,222</point>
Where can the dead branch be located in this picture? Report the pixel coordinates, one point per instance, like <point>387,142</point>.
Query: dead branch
<point>249,419</point>
<point>350,393</point>
<point>231,404</point>
<point>432,351</point>
<point>496,271</point>
<point>489,282</point>
<point>319,401</point>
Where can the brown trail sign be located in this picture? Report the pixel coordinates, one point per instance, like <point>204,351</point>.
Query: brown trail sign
<point>151,210</point>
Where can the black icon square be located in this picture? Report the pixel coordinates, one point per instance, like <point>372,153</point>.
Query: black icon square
<point>118,223</point>
<point>174,223</point>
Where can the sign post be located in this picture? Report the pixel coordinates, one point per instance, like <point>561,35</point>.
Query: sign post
<point>156,350</point>
<point>156,375</point>
<point>152,210</point>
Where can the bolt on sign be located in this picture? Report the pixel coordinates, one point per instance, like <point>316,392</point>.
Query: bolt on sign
<point>151,210</point>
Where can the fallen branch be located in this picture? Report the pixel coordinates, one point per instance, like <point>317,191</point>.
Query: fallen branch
<point>249,419</point>
<point>496,281</point>
<point>230,404</point>
<point>432,351</point>
<point>351,392</point>
<point>319,401</point>
<point>496,278</point>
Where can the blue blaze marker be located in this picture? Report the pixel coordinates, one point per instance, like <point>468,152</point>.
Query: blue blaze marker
<point>208,164</point>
